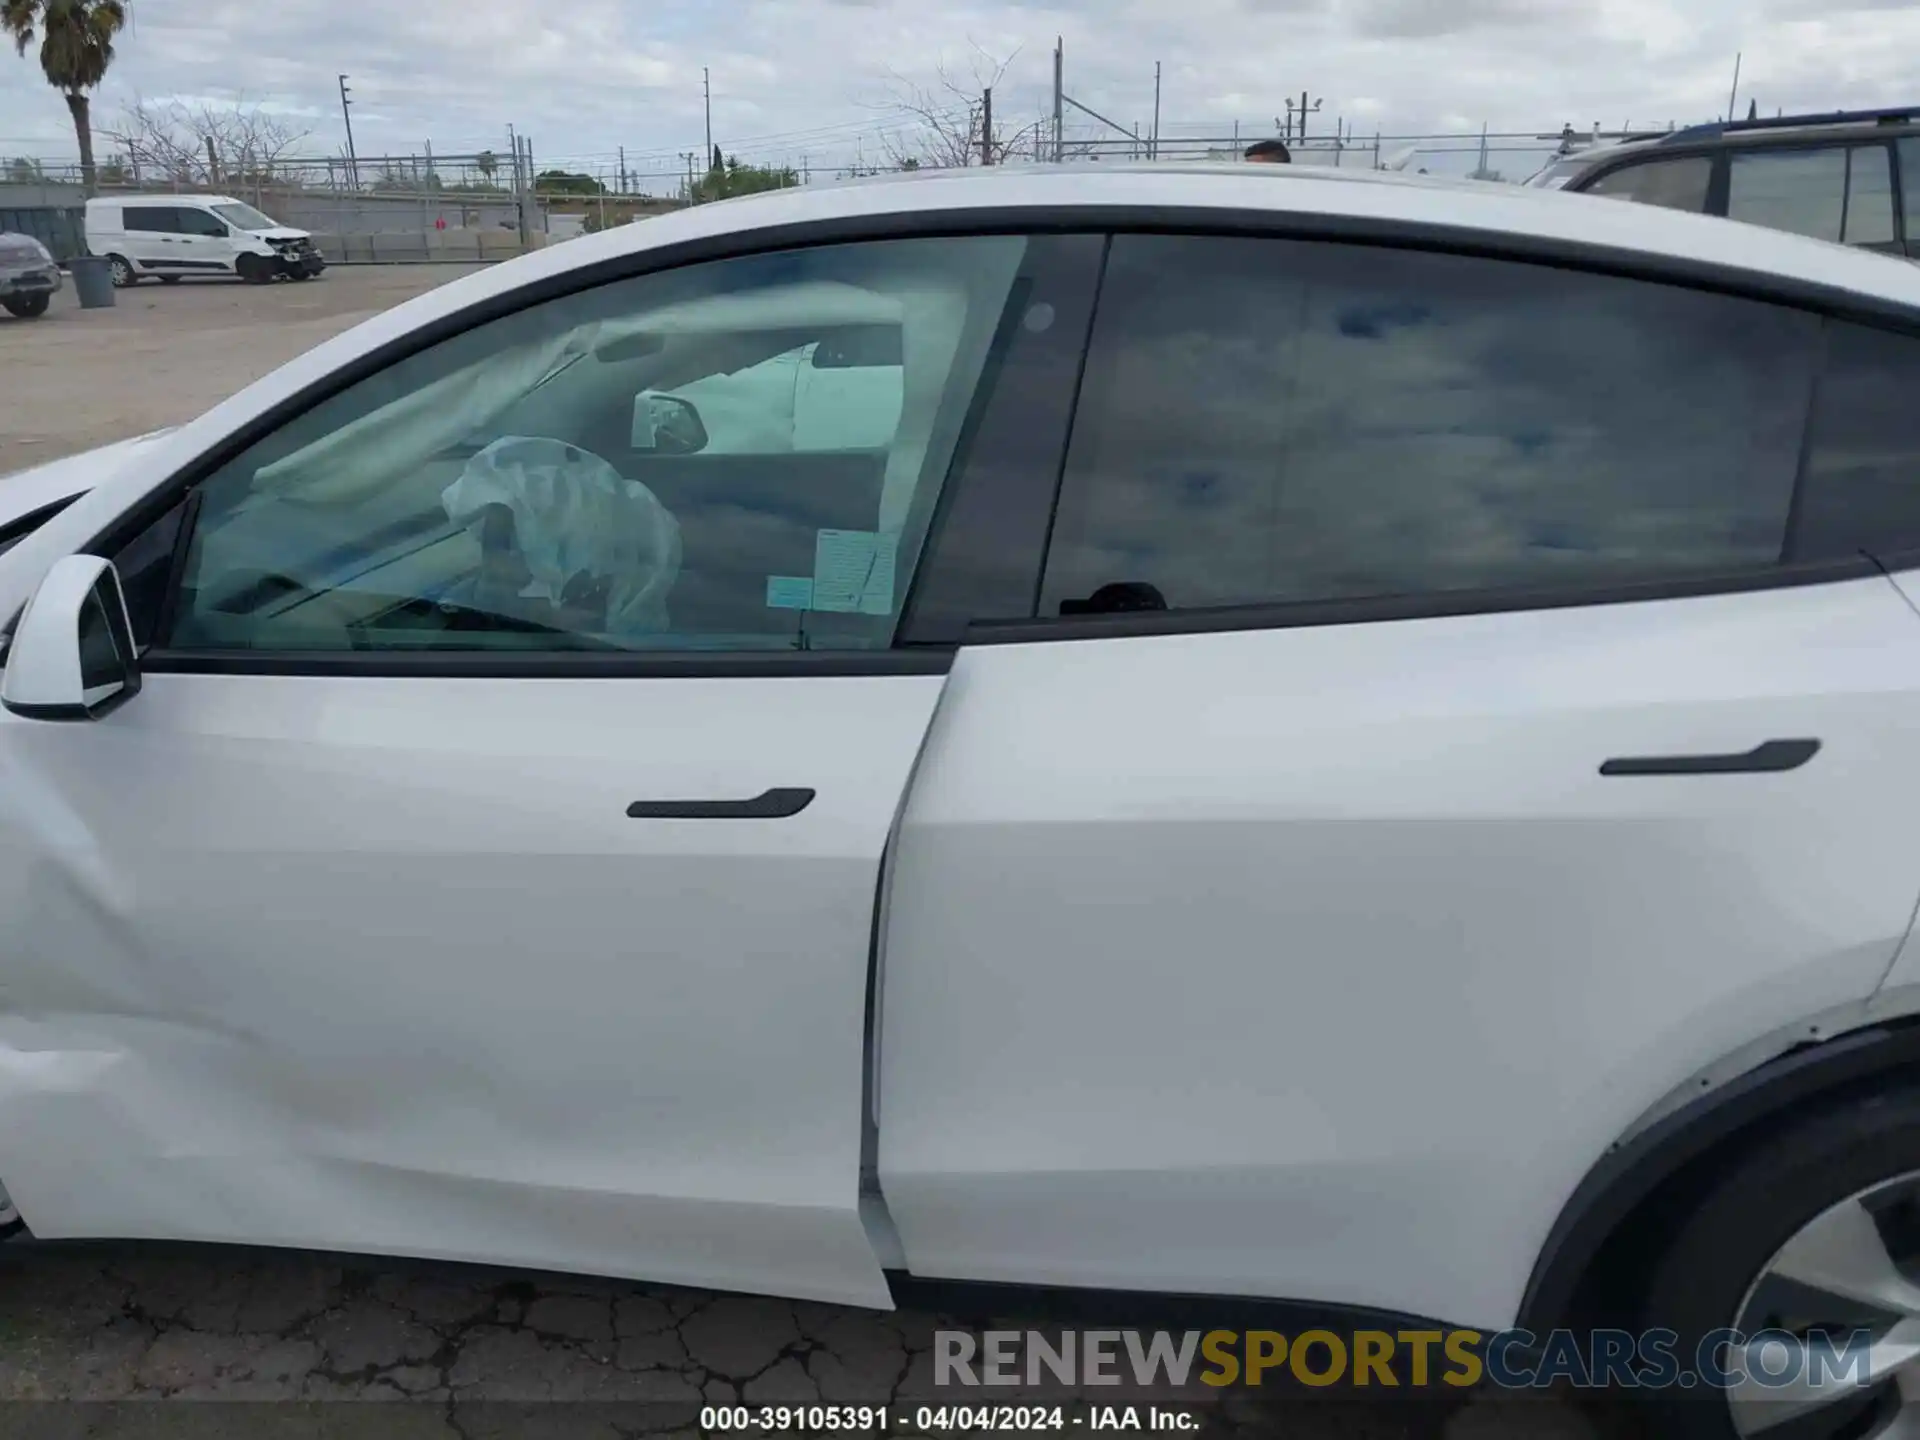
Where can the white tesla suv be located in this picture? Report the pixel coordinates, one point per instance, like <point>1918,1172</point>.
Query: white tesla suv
<point>1345,739</point>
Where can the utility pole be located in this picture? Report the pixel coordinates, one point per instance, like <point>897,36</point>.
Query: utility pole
<point>706,83</point>
<point>1734,94</point>
<point>1059,90</point>
<point>519,187</point>
<point>533,191</point>
<point>623,170</point>
<point>687,155</point>
<point>346,114</point>
<point>1153,144</point>
<point>986,126</point>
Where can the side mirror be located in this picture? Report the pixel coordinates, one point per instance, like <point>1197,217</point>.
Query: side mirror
<point>72,656</point>
<point>667,425</point>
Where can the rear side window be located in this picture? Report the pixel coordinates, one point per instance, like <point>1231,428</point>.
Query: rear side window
<point>1282,421</point>
<point>1674,184</point>
<point>1910,188</point>
<point>1862,489</point>
<point>1836,193</point>
<point>152,219</point>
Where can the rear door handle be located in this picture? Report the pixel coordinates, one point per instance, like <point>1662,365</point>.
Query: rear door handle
<point>1769,758</point>
<point>775,804</point>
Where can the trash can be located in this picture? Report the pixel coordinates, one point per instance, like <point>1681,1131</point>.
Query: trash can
<point>92,281</point>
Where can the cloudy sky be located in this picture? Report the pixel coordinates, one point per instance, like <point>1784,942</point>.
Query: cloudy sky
<point>822,82</point>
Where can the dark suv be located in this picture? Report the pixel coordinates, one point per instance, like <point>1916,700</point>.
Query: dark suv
<point>1852,176</point>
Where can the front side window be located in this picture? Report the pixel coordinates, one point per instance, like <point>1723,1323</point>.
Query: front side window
<point>200,222</point>
<point>1675,184</point>
<point>1268,421</point>
<point>1836,193</point>
<point>623,468</point>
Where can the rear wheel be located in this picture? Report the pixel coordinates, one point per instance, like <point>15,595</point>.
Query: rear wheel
<point>1809,1245</point>
<point>254,269</point>
<point>121,268</point>
<point>27,307</point>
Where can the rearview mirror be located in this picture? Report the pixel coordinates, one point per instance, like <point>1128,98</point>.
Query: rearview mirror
<point>72,655</point>
<point>667,425</point>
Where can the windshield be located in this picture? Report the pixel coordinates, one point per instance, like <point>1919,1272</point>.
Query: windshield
<point>245,217</point>
<point>1558,173</point>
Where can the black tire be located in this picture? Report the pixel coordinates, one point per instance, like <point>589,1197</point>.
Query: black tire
<point>1755,1206</point>
<point>169,279</point>
<point>254,269</point>
<point>303,275</point>
<point>125,277</point>
<point>27,307</point>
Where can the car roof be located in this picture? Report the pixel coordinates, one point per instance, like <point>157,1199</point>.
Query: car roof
<point>165,198</point>
<point>1501,212</point>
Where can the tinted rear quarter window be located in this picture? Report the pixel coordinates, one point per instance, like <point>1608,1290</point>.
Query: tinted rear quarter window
<point>1281,421</point>
<point>1862,488</point>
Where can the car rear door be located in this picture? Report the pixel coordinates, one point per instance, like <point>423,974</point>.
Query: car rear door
<point>152,237</point>
<point>1454,717</point>
<point>422,905</point>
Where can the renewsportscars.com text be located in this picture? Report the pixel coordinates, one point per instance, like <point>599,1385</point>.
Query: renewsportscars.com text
<point>1383,1359</point>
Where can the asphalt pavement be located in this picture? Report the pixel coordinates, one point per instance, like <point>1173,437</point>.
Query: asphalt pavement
<point>128,1339</point>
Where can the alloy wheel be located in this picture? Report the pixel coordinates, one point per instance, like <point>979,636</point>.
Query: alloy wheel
<point>1854,1269</point>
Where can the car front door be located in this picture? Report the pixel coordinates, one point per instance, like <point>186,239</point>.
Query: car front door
<point>204,243</point>
<point>477,874</point>
<point>1455,717</point>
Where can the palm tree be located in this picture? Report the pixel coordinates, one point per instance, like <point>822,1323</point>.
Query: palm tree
<point>76,47</point>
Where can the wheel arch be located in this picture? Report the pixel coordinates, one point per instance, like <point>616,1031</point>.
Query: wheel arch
<point>1636,1192</point>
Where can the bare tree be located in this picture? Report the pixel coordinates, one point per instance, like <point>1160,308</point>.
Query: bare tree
<point>947,128</point>
<point>203,144</point>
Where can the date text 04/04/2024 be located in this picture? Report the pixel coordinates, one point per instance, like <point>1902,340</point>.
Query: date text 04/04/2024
<point>939,1419</point>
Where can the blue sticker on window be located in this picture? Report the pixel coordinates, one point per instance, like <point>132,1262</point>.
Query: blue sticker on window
<point>789,592</point>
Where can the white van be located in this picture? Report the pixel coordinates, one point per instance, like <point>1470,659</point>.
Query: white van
<point>175,235</point>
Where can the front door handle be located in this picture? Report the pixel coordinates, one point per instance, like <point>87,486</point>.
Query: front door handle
<point>775,804</point>
<point>1769,758</point>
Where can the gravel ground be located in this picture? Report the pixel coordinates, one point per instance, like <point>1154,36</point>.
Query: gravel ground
<point>78,378</point>
<point>432,1351</point>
